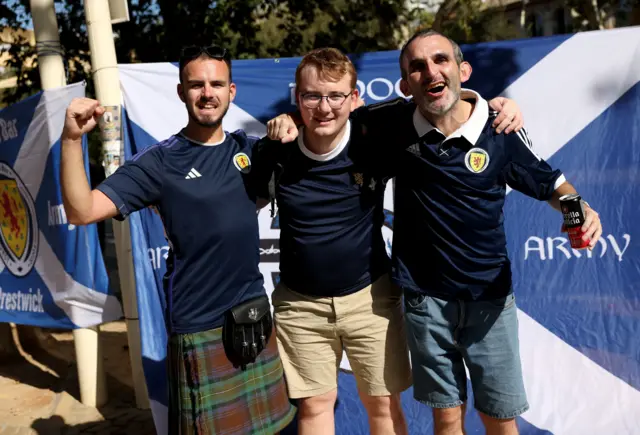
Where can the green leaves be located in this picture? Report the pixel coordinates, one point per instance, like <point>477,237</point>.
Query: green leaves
<point>269,28</point>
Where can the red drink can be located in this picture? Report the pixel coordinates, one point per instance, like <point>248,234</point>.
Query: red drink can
<point>573,215</point>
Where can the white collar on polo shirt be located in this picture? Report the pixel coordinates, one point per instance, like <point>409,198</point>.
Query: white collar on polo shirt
<point>471,129</point>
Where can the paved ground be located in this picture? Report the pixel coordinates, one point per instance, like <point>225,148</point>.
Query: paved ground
<point>39,391</point>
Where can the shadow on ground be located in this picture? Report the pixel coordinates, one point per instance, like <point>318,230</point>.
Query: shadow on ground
<point>51,365</point>
<point>136,422</point>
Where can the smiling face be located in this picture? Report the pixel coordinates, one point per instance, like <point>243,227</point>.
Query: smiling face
<point>432,74</point>
<point>336,100</point>
<point>206,91</point>
<point>326,92</point>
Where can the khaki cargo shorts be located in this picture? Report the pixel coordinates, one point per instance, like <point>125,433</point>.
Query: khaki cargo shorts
<point>313,332</point>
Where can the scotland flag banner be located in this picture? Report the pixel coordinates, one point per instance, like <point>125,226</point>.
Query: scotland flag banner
<point>579,311</point>
<point>51,272</point>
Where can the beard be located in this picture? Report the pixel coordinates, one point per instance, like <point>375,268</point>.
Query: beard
<point>208,121</point>
<point>437,108</point>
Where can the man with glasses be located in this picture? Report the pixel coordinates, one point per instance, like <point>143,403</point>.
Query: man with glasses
<point>334,294</point>
<point>225,375</point>
<point>449,246</point>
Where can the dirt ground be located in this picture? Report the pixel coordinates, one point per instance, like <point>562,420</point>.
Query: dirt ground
<point>39,391</point>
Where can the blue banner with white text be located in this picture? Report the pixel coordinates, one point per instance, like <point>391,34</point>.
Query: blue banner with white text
<point>579,311</point>
<point>51,272</point>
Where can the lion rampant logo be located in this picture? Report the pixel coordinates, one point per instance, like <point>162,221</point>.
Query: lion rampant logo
<point>18,224</point>
<point>476,160</point>
<point>242,163</point>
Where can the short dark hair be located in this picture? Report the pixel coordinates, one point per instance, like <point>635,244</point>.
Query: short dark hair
<point>424,33</point>
<point>193,52</point>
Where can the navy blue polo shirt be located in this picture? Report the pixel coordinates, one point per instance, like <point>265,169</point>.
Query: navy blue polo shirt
<point>449,239</point>
<point>331,214</point>
<point>209,215</point>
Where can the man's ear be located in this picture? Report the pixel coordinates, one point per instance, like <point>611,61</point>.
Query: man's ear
<point>465,71</point>
<point>355,100</point>
<point>232,92</point>
<point>404,87</point>
<point>180,90</point>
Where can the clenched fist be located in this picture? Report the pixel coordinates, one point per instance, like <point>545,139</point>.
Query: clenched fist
<point>82,117</point>
<point>282,128</point>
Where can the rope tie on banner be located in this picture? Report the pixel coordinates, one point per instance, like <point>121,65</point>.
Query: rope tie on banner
<point>93,71</point>
<point>53,48</point>
<point>49,48</point>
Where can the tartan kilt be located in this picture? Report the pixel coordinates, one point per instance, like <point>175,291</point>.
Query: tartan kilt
<point>208,396</point>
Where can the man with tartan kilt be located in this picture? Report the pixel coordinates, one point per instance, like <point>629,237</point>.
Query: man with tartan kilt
<point>225,374</point>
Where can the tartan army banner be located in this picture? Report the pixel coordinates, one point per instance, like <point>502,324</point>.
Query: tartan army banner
<point>51,272</point>
<point>578,310</point>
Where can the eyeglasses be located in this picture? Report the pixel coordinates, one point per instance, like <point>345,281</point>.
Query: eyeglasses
<point>312,100</point>
<point>213,51</point>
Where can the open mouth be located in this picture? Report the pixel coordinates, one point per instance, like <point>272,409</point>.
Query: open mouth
<point>436,89</point>
<point>207,106</point>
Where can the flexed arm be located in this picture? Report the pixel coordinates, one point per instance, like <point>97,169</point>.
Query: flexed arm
<point>82,205</point>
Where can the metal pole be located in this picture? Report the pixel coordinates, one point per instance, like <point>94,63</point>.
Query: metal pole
<point>105,77</point>
<point>91,376</point>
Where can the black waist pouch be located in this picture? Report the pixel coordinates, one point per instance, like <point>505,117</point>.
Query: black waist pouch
<point>246,331</point>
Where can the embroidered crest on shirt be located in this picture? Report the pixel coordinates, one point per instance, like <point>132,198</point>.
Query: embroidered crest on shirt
<point>358,178</point>
<point>476,160</point>
<point>242,163</point>
<point>364,181</point>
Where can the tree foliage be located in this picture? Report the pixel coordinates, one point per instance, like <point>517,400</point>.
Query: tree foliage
<point>470,21</point>
<point>272,28</point>
<point>594,14</point>
<point>22,55</point>
<point>248,28</point>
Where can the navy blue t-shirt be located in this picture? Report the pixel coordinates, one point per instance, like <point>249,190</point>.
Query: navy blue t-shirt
<point>209,215</point>
<point>449,239</point>
<point>331,214</point>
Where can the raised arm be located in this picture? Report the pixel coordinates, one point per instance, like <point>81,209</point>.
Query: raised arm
<point>82,205</point>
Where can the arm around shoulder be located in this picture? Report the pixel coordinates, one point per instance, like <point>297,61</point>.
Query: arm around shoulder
<point>266,155</point>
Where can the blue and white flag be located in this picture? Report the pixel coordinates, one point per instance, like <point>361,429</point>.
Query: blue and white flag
<point>51,272</point>
<point>579,310</point>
